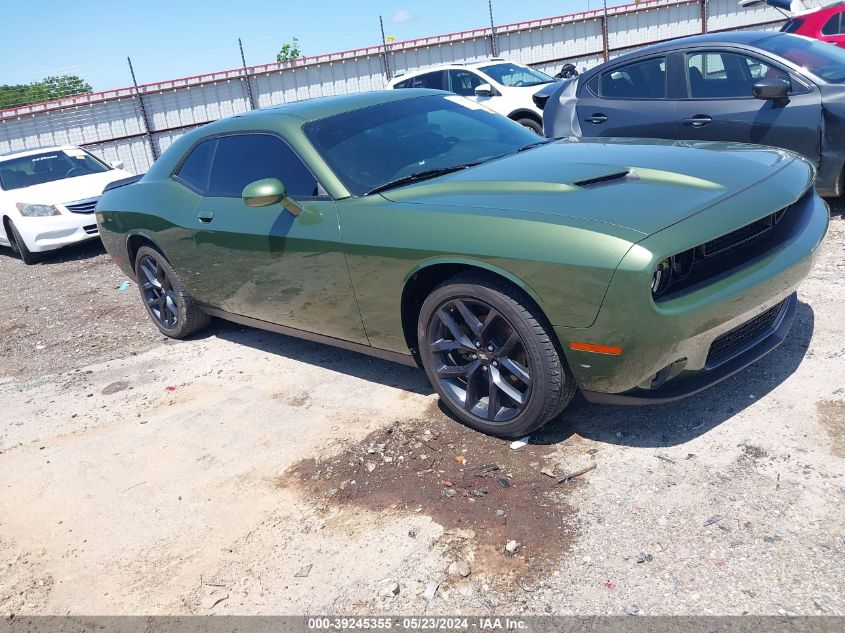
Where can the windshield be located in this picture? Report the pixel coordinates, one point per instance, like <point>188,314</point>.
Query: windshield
<point>26,171</point>
<point>819,58</point>
<point>515,75</point>
<point>373,146</point>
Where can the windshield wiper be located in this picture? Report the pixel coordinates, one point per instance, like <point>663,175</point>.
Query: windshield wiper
<point>417,176</point>
<point>532,145</point>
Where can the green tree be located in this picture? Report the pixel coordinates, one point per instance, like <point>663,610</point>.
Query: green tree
<point>48,89</point>
<point>290,51</point>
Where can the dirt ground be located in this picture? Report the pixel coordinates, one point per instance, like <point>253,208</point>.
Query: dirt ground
<point>244,472</point>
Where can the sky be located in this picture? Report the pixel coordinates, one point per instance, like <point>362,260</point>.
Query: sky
<point>167,39</point>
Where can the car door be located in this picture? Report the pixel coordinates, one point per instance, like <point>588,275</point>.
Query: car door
<point>265,263</point>
<point>720,103</point>
<point>628,99</point>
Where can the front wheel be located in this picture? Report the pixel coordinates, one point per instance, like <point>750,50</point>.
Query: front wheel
<point>532,125</point>
<point>168,303</point>
<point>19,246</point>
<point>488,354</point>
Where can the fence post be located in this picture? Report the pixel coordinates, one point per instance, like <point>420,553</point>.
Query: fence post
<point>246,81</point>
<point>384,49</point>
<point>605,45</point>
<point>144,115</point>
<point>492,28</point>
<point>704,16</point>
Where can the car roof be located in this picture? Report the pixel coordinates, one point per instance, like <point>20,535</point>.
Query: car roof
<point>34,150</point>
<point>451,65</point>
<point>322,107</point>
<point>747,38</point>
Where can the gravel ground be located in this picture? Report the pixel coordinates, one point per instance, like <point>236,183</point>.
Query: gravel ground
<point>243,472</point>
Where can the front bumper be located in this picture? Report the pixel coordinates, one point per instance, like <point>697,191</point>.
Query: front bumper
<point>699,381</point>
<point>666,346</point>
<point>49,233</point>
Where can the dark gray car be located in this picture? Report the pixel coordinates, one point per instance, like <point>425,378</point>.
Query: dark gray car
<point>754,87</point>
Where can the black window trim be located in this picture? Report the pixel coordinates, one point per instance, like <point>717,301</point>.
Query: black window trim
<point>794,79</point>
<point>645,58</point>
<point>174,175</point>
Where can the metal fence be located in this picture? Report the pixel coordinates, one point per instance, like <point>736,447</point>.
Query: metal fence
<point>136,124</point>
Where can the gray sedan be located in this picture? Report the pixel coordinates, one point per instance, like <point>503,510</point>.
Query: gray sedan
<point>754,87</point>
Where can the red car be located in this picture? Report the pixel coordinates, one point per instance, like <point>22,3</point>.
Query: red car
<point>826,24</point>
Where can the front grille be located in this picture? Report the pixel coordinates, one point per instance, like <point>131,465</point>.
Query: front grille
<point>82,206</point>
<point>744,235</point>
<point>736,340</point>
<point>90,229</point>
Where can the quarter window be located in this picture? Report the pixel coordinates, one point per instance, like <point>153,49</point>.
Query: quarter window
<point>722,75</point>
<point>194,171</point>
<point>640,80</point>
<point>833,26</point>
<point>245,158</point>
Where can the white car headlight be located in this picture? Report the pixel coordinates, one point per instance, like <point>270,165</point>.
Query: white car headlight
<point>37,210</point>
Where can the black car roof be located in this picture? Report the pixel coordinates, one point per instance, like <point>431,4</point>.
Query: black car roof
<point>712,39</point>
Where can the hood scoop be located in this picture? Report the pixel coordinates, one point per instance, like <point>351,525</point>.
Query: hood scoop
<point>604,179</point>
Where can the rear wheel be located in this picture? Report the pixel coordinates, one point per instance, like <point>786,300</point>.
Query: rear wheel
<point>532,125</point>
<point>168,303</point>
<point>19,246</point>
<point>487,352</point>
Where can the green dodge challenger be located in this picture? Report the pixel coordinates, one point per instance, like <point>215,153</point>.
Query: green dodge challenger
<point>420,227</point>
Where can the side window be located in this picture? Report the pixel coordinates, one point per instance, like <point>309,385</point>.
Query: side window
<point>464,82</point>
<point>245,158</point>
<point>832,26</point>
<point>403,84</point>
<point>435,80</point>
<point>196,167</point>
<point>640,80</point>
<point>727,75</point>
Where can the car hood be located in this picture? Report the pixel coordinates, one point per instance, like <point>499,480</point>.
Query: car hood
<point>67,189</point>
<point>642,185</point>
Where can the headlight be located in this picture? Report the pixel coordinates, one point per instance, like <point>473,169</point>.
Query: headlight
<point>661,276</point>
<point>37,210</point>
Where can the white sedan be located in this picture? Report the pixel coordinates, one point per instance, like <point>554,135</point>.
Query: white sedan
<point>47,198</point>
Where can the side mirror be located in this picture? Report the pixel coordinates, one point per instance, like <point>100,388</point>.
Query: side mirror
<point>772,89</point>
<point>117,164</point>
<point>267,192</point>
<point>484,90</point>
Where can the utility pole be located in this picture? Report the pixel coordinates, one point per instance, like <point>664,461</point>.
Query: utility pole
<point>248,85</point>
<point>144,115</point>
<point>384,49</point>
<point>604,33</point>
<point>492,28</point>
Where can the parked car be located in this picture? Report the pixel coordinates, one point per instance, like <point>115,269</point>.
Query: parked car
<point>504,87</point>
<point>419,227</point>
<point>47,198</point>
<point>825,23</point>
<point>756,87</point>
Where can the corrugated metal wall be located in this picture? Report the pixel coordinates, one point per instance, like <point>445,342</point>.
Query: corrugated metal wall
<point>112,124</point>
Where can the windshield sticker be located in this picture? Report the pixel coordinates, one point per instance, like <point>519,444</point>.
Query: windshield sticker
<point>75,153</point>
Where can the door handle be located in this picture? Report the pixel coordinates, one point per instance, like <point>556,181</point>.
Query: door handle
<point>699,120</point>
<point>206,216</point>
<point>598,118</point>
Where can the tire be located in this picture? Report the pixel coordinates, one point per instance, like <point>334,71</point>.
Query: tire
<point>475,314</point>
<point>169,305</point>
<point>532,125</point>
<point>19,246</point>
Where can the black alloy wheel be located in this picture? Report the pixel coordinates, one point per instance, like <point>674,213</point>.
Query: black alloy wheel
<point>158,292</point>
<point>486,349</point>
<point>168,303</point>
<point>480,359</point>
